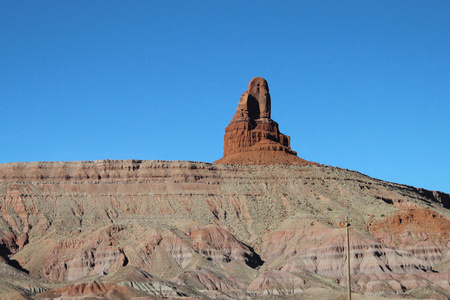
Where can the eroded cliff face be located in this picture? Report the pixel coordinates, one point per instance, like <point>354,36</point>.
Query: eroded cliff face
<point>187,229</point>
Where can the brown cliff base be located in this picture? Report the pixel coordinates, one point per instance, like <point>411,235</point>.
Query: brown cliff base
<point>252,138</point>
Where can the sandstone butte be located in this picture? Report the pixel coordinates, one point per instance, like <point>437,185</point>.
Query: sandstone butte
<point>268,229</point>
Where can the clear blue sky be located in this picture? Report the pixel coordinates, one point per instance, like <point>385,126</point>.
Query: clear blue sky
<point>362,85</point>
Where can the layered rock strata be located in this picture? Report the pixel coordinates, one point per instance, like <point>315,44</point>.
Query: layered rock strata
<point>252,137</point>
<point>187,229</point>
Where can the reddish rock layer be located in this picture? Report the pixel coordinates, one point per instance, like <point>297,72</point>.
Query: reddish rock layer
<point>417,227</point>
<point>96,290</point>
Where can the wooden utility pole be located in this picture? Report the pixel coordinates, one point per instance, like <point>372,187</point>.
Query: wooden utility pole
<point>349,284</point>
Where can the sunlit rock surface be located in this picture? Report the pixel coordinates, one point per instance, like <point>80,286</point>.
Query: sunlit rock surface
<point>179,229</point>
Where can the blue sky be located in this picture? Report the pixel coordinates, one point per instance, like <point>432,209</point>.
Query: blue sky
<point>362,85</point>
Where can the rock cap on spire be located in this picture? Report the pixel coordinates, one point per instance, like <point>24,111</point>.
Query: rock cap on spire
<point>254,103</point>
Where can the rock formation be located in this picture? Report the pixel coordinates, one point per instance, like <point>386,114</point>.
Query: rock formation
<point>252,137</point>
<point>262,223</point>
<point>168,229</point>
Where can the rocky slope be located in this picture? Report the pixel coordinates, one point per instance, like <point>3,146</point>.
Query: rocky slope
<point>124,229</point>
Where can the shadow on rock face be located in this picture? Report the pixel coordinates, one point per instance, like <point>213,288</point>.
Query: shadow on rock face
<point>4,253</point>
<point>254,261</point>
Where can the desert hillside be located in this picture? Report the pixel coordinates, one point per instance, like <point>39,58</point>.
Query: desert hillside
<point>124,229</point>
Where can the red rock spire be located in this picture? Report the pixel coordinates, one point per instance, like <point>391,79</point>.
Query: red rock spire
<point>252,137</point>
